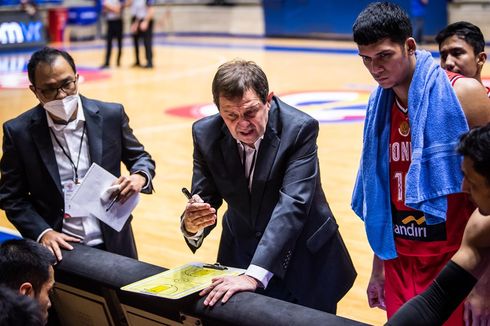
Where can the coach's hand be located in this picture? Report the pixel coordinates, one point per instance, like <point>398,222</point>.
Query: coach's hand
<point>224,287</point>
<point>198,215</point>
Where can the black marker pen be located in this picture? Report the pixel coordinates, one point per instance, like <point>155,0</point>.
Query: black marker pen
<point>186,193</point>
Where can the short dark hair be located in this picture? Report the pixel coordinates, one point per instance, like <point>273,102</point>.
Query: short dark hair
<point>23,260</point>
<point>380,20</point>
<point>475,144</point>
<point>47,55</point>
<point>17,309</point>
<point>235,77</point>
<point>466,31</point>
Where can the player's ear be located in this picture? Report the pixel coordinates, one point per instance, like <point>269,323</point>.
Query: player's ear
<point>411,45</point>
<point>481,58</point>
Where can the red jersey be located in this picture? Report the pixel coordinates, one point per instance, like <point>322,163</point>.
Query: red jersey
<point>413,237</point>
<point>453,77</point>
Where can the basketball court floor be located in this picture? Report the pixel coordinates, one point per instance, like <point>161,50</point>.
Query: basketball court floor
<point>324,78</point>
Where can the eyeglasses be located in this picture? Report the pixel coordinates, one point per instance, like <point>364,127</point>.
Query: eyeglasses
<point>51,93</point>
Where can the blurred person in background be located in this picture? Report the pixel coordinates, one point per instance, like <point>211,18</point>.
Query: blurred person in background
<point>113,10</point>
<point>418,11</point>
<point>29,7</point>
<point>142,12</point>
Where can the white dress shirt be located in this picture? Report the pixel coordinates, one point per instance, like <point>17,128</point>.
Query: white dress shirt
<point>85,227</point>
<point>111,15</point>
<point>248,157</point>
<point>139,8</point>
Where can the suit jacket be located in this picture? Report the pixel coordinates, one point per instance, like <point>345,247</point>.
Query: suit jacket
<point>30,188</point>
<point>284,224</point>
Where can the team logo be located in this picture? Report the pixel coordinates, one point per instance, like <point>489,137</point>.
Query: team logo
<point>411,225</point>
<point>411,228</point>
<point>325,106</point>
<point>412,218</point>
<point>404,129</point>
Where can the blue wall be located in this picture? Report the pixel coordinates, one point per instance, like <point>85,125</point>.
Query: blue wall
<point>310,18</point>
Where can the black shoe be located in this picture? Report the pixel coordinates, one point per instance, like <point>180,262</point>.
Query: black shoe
<point>148,66</point>
<point>137,64</point>
<point>104,66</point>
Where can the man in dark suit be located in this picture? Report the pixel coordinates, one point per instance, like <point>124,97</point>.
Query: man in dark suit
<point>260,156</point>
<point>48,149</point>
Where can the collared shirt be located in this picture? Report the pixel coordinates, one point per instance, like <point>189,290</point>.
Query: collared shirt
<point>69,136</point>
<point>111,15</point>
<point>248,156</point>
<point>139,8</point>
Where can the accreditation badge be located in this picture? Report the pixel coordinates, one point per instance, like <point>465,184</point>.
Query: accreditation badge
<point>72,210</point>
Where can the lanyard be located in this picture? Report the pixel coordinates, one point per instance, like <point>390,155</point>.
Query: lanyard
<point>75,167</point>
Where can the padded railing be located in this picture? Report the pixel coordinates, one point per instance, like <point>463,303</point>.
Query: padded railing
<point>97,277</point>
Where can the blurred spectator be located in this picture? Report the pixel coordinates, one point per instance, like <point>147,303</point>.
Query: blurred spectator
<point>220,3</point>
<point>142,28</point>
<point>418,10</point>
<point>29,7</point>
<point>113,10</point>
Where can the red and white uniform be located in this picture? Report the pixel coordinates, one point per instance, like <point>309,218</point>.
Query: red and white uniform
<point>453,77</point>
<point>423,250</point>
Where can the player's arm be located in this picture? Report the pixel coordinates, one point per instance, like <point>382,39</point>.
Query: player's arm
<point>474,101</point>
<point>473,255</point>
<point>376,285</point>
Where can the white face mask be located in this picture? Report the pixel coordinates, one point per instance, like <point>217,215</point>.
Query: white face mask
<point>64,108</point>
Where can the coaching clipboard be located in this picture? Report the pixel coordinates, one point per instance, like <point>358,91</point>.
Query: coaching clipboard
<point>179,282</point>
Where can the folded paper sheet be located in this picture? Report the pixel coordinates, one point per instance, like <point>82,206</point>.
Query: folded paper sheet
<point>92,195</point>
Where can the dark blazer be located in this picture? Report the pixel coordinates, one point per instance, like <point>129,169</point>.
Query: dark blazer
<point>30,186</point>
<point>284,224</point>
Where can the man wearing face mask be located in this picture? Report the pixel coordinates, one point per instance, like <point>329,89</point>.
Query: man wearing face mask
<point>48,149</point>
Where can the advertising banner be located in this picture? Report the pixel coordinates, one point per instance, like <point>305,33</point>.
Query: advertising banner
<point>19,30</point>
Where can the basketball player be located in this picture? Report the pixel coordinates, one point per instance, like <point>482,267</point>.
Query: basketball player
<point>469,263</point>
<point>462,49</point>
<point>409,181</point>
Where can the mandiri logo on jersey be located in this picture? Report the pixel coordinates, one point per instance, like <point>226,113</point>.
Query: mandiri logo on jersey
<point>325,106</point>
